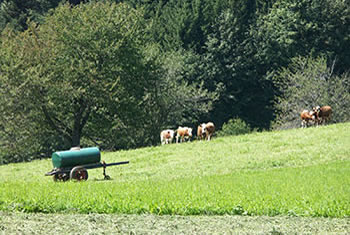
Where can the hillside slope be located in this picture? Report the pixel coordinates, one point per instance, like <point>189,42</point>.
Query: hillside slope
<point>295,172</point>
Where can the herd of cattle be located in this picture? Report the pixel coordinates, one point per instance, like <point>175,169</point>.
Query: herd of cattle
<point>204,132</point>
<point>317,116</point>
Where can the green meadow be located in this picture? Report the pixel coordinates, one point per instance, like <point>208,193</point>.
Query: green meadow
<point>299,173</point>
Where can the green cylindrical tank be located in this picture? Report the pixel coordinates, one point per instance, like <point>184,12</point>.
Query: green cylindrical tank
<point>73,158</point>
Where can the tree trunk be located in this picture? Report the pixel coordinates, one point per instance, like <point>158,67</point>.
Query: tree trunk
<point>76,135</point>
<point>80,118</point>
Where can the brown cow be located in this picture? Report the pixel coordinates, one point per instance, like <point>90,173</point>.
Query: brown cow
<point>323,114</point>
<point>207,130</point>
<point>307,116</point>
<point>166,136</point>
<point>183,133</point>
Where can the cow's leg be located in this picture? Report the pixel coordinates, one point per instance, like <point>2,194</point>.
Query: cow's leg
<point>311,123</point>
<point>327,119</point>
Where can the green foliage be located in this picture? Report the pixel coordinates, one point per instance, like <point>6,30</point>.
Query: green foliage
<point>307,83</point>
<point>294,172</point>
<point>187,100</point>
<point>234,127</point>
<point>90,75</point>
<point>229,60</point>
<point>80,63</point>
<point>181,24</point>
<point>298,28</point>
<point>154,65</point>
<point>16,13</point>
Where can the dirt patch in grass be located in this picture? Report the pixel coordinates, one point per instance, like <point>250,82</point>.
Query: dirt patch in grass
<point>25,223</point>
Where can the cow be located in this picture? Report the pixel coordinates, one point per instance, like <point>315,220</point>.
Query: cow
<point>167,136</point>
<point>307,117</point>
<point>206,130</point>
<point>323,114</point>
<point>201,132</point>
<point>183,133</point>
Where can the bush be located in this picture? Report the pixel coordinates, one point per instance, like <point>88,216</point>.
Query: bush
<point>234,127</point>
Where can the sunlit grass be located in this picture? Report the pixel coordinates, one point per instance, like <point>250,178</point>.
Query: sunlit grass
<point>302,172</point>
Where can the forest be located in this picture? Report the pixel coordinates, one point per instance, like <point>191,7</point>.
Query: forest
<point>113,74</point>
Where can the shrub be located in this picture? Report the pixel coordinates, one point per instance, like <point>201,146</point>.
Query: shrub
<point>234,127</point>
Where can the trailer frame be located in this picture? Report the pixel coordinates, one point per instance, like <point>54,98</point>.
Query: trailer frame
<point>79,172</point>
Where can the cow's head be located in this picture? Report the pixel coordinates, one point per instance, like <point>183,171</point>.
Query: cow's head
<point>316,109</point>
<point>170,134</point>
<point>189,130</point>
<point>203,128</point>
<point>313,113</point>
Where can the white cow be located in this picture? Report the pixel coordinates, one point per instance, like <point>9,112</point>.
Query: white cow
<point>167,136</point>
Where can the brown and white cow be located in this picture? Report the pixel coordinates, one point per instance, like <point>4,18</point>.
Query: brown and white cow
<point>167,136</point>
<point>201,132</point>
<point>307,117</point>
<point>323,114</point>
<point>183,133</point>
<point>206,130</point>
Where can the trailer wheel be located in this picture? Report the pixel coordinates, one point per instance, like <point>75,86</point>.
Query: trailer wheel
<point>79,173</point>
<point>61,177</point>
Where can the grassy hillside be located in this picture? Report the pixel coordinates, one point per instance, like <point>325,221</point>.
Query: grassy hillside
<point>302,172</point>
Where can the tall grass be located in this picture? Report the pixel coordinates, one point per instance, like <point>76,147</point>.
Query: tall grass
<point>302,172</point>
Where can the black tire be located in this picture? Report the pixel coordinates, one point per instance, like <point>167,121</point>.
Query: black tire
<point>61,177</point>
<point>79,173</point>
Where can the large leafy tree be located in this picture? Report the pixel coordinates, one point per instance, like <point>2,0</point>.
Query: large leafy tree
<point>90,73</point>
<point>83,63</point>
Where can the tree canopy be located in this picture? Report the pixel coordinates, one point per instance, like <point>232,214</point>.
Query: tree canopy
<point>113,73</point>
<point>87,73</point>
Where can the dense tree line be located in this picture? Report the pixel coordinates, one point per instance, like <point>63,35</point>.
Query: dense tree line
<point>114,73</point>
